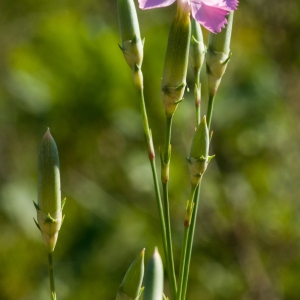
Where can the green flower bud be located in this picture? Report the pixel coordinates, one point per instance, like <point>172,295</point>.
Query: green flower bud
<point>200,143</point>
<point>154,278</point>
<point>197,47</point>
<point>218,55</point>
<point>132,45</point>
<point>199,159</point>
<point>176,60</point>
<point>49,207</point>
<point>130,288</point>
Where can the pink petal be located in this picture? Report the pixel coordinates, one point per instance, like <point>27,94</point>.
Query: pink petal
<point>224,4</point>
<point>211,17</point>
<point>148,4</point>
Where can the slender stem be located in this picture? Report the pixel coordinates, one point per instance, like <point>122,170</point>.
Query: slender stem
<point>210,108</point>
<point>165,160</point>
<point>167,154</point>
<point>147,130</point>
<point>190,240</point>
<point>182,262</point>
<point>51,276</point>
<point>151,155</point>
<point>160,210</point>
<point>171,267</point>
<point>191,232</point>
<point>185,246</point>
<point>197,96</point>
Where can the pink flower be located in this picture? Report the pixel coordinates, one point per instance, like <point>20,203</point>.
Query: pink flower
<point>209,13</point>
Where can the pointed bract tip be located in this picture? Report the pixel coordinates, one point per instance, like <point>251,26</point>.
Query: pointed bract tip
<point>47,135</point>
<point>156,252</point>
<point>142,254</point>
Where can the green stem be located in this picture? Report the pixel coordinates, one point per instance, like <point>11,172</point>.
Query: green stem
<point>167,151</point>
<point>151,155</point>
<point>190,239</point>
<point>170,267</point>
<point>210,108</point>
<point>185,245</point>
<point>191,231</point>
<point>182,262</point>
<point>197,96</point>
<point>51,276</point>
<point>165,180</point>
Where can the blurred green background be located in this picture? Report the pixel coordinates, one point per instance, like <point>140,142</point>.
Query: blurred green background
<point>61,67</point>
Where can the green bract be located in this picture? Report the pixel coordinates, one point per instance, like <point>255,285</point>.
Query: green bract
<point>130,288</point>
<point>49,207</point>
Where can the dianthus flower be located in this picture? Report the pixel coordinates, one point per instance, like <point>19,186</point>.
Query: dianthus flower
<point>209,13</point>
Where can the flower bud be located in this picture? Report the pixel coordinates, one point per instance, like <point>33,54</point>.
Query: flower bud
<point>49,207</point>
<point>218,55</point>
<point>199,159</point>
<point>130,288</point>
<point>154,278</point>
<point>197,47</point>
<point>176,60</point>
<point>132,45</point>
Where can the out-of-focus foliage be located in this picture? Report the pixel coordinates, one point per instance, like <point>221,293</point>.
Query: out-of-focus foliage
<point>60,67</point>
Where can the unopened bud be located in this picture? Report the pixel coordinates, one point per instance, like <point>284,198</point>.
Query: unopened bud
<point>132,45</point>
<point>130,288</point>
<point>197,47</point>
<point>199,159</point>
<point>218,55</point>
<point>154,278</point>
<point>49,207</point>
<point>176,60</point>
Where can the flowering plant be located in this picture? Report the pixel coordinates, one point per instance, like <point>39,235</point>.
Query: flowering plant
<point>184,34</point>
<point>185,43</point>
